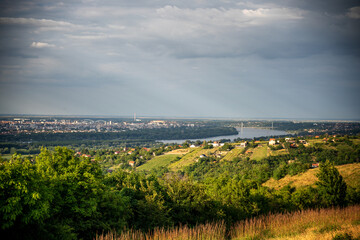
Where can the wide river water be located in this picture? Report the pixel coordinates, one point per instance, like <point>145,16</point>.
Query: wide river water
<point>242,133</point>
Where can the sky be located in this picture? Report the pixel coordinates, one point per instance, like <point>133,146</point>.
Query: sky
<point>186,58</point>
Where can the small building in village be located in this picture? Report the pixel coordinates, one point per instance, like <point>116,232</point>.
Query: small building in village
<point>272,141</point>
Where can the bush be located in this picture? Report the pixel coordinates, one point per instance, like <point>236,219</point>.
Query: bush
<point>344,236</point>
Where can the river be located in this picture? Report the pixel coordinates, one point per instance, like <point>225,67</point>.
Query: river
<point>242,133</point>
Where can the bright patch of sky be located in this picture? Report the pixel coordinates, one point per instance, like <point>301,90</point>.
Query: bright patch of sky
<point>240,59</point>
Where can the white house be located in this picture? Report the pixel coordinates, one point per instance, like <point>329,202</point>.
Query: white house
<point>272,141</point>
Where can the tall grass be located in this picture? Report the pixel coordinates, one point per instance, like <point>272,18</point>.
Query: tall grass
<point>210,231</point>
<point>321,224</point>
<point>297,225</point>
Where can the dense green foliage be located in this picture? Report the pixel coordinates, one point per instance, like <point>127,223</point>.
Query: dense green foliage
<point>61,195</point>
<point>140,134</point>
<point>331,185</point>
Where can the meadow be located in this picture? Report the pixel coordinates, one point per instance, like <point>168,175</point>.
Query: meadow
<point>325,224</point>
<point>350,172</point>
<point>159,161</point>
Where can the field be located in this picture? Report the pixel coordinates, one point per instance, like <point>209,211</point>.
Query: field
<point>236,152</point>
<point>190,158</point>
<point>180,151</point>
<point>159,161</point>
<point>322,224</point>
<point>6,156</point>
<point>350,173</point>
<point>279,152</point>
<point>310,224</point>
<point>259,152</point>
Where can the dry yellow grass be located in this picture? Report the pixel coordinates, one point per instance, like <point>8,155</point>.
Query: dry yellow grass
<point>350,173</point>
<point>210,231</point>
<point>191,157</point>
<point>236,152</point>
<point>179,151</point>
<point>309,224</point>
<point>259,152</point>
<point>279,152</point>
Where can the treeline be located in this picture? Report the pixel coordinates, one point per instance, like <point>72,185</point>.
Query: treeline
<point>298,160</point>
<point>140,134</point>
<point>35,147</point>
<point>32,143</point>
<point>58,195</point>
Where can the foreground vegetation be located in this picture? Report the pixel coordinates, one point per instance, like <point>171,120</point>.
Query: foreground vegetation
<point>325,224</point>
<point>63,194</point>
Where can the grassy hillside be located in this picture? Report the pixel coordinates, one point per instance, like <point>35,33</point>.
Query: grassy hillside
<point>236,152</point>
<point>278,152</point>
<point>191,157</point>
<point>260,152</point>
<point>310,224</point>
<point>322,224</point>
<point>159,161</point>
<point>350,173</point>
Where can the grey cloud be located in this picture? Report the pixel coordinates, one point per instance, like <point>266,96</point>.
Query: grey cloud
<point>161,58</point>
<point>354,12</point>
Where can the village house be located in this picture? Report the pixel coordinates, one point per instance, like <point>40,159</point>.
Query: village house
<point>132,163</point>
<point>315,165</point>
<point>272,141</point>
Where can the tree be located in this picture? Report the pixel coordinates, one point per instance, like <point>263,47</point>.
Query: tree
<point>331,185</point>
<point>24,199</point>
<point>76,189</point>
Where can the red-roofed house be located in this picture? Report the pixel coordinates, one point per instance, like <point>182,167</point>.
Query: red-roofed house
<point>272,141</point>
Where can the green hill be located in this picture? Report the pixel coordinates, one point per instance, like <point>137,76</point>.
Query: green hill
<point>159,161</point>
<point>350,173</point>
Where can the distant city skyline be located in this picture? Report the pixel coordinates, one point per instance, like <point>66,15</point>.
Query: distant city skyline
<point>181,59</point>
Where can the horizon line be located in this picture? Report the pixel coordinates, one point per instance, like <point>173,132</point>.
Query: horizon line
<point>179,117</point>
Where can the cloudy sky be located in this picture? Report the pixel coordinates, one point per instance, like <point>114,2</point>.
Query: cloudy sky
<point>186,58</point>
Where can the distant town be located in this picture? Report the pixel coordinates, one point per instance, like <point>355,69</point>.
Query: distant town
<point>54,125</point>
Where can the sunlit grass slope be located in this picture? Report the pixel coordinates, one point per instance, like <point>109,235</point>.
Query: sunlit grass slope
<point>321,224</point>
<point>191,157</point>
<point>310,224</point>
<point>236,152</point>
<point>159,161</point>
<point>260,152</point>
<point>350,173</point>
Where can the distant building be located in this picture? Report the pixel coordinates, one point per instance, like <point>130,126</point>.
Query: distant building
<point>132,163</point>
<point>272,141</point>
<point>315,165</point>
